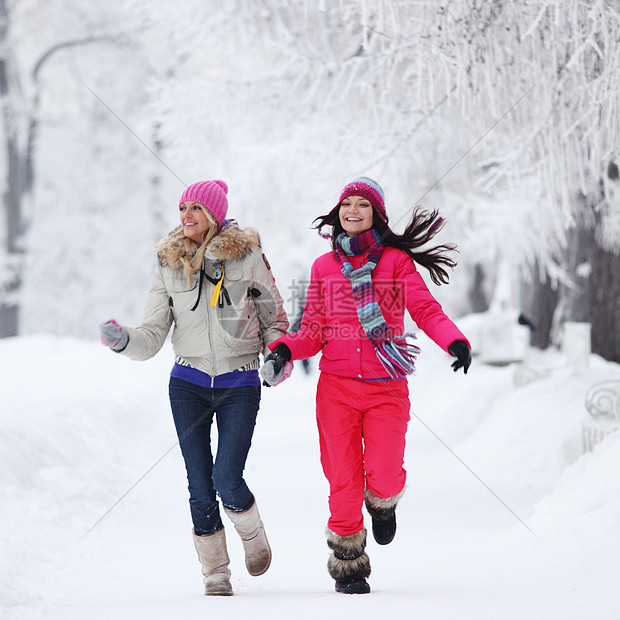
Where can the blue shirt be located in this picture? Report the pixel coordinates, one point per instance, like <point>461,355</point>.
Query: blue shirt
<point>240,377</point>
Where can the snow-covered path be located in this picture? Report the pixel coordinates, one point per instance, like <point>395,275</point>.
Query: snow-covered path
<point>81,426</point>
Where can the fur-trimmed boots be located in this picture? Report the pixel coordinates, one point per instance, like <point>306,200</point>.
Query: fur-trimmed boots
<point>383,513</point>
<point>250,528</point>
<point>213,556</point>
<point>349,564</point>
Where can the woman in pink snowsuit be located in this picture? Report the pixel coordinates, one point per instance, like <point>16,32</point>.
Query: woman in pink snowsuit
<point>354,314</point>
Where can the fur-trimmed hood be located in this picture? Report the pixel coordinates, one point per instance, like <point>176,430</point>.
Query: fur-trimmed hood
<point>230,243</point>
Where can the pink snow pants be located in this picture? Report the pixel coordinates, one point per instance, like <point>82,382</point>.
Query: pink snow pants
<point>362,427</point>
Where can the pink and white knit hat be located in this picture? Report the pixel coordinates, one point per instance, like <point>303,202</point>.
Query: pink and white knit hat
<point>211,195</point>
<point>369,189</point>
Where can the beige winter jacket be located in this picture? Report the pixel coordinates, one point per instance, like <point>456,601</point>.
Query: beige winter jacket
<point>248,315</point>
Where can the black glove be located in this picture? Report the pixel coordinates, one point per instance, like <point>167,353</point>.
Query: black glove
<point>460,350</point>
<point>272,370</point>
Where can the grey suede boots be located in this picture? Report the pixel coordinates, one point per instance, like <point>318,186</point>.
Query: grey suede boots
<point>213,556</point>
<point>250,528</point>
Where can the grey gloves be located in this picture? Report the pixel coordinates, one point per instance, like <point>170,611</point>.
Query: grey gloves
<point>277,366</point>
<point>113,335</point>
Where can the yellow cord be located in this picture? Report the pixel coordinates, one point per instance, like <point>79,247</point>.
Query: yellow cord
<point>218,288</point>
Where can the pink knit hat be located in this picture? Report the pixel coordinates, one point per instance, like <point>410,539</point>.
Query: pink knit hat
<point>369,189</point>
<point>211,195</point>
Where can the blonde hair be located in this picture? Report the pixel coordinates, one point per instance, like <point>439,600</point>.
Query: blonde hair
<point>192,254</point>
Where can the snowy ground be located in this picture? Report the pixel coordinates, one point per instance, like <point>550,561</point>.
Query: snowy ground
<point>81,426</point>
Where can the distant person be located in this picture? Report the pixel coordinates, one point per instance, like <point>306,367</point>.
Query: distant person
<point>354,314</point>
<point>215,285</point>
<point>522,319</point>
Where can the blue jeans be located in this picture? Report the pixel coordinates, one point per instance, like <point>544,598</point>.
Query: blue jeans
<point>235,409</point>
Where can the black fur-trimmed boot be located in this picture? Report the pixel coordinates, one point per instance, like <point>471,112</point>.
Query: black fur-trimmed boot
<point>383,513</point>
<point>349,564</point>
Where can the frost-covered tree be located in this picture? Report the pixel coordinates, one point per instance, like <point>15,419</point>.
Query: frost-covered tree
<point>557,67</point>
<point>78,93</point>
<point>228,103</point>
<point>32,42</point>
<point>513,108</point>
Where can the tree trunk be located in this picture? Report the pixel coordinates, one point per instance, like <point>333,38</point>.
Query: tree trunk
<point>605,304</point>
<point>580,264</point>
<point>20,143</point>
<point>9,304</point>
<point>478,298</point>
<point>540,299</point>
<point>15,186</point>
<point>595,296</point>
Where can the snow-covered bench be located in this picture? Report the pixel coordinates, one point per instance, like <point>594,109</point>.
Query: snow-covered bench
<point>603,405</point>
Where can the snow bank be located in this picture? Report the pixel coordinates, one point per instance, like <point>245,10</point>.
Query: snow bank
<point>533,432</point>
<point>78,424</point>
<point>585,503</point>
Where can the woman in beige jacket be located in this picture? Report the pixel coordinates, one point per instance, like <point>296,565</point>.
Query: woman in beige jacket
<point>215,285</point>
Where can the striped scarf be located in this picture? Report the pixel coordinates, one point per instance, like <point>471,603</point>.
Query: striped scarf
<point>394,352</point>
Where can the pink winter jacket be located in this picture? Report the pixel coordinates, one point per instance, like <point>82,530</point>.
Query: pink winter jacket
<point>330,323</point>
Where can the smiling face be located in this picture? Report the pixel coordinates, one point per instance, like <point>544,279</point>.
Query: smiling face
<point>356,215</point>
<point>194,221</point>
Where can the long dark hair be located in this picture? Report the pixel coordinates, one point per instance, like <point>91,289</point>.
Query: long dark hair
<point>424,225</point>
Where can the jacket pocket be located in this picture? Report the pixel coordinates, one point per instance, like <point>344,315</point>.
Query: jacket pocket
<point>176,282</point>
<point>233,272</point>
<point>237,320</point>
<point>182,298</point>
<point>335,350</point>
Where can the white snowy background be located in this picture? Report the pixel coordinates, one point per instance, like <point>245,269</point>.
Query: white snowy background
<point>504,515</point>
